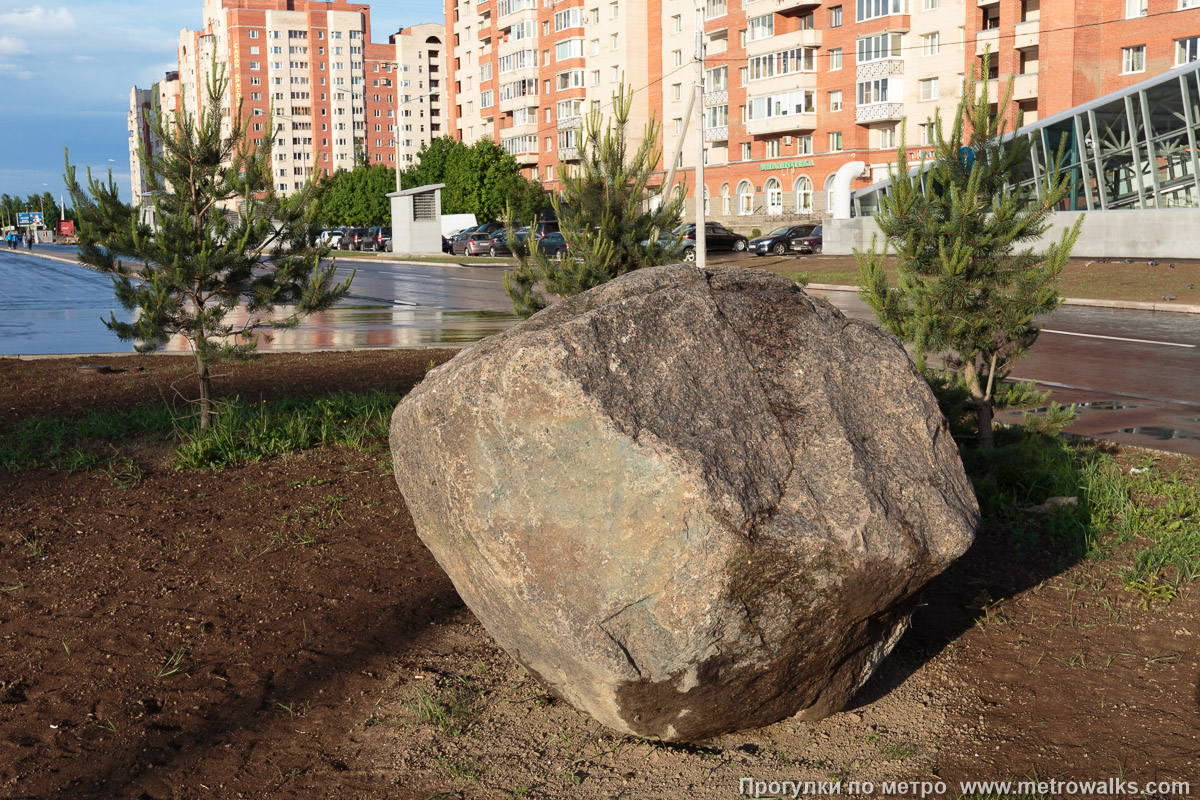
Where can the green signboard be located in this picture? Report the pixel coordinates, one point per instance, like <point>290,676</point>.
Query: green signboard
<point>804,162</point>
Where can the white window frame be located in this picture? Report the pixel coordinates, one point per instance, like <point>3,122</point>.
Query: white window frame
<point>774,197</point>
<point>929,88</point>
<point>802,195</point>
<point>745,198</point>
<point>1137,8</point>
<point>1133,59</point>
<point>931,43</point>
<point>1187,50</point>
<point>835,59</point>
<point>835,100</point>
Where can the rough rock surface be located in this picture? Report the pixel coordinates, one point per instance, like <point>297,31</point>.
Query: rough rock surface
<point>688,502</point>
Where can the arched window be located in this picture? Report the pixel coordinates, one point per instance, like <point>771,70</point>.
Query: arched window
<point>829,193</point>
<point>774,197</point>
<point>745,198</point>
<point>433,40</point>
<point>707,203</point>
<point>804,192</point>
<point>725,208</point>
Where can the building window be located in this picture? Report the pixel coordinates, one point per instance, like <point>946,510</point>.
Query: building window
<point>829,194</point>
<point>1187,50</point>
<point>835,142</point>
<point>835,101</point>
<point>1189,4</point>
<point>804,145</point>
<point>887,138</point>
<point>877,48</point>
<point>931,44</point>
<point>803,195</point>
<point>677,91</point>
<point>835,17</point>
<point>253,34</point>
<point>772,149</point>
<point>1137,8</point>
<point>613,10</point>
<point>762,27</point>
<point>774,197</point>
<point>835,59</point>
<point>929,89</point>
<point>930,5</point>
<point>870,9</point>
<point>745,151</point>
<point>1133,59</point>
<point>678,123</point>
<point>676,58</point>
<point>745,198</point>
<point>677,23</point>
<point>928,133</point>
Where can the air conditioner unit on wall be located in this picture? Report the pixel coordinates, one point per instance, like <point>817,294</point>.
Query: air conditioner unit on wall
<point>787,140</point>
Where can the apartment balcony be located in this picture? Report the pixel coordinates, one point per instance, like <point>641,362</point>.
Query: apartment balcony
<point>1026,34</point>
<point>784,83</point>
<point>717,97</point>
<point>526,158</point>
<point>987,40</point>
<point>993,89</point>
<point>800,6</point>
<point>879,69</point>
<point>878,112</point>
<point>519,129</point>
<point>717,134</point>
<point>785,41</point>
<point>787,123</point>
<point>568,153</point>
<point>570,123</point>
<point>506,22</point>
<point>513,103</point>
<point>1025,87</point>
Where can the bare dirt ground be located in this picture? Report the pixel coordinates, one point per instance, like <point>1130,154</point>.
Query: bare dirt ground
<point>279,631</point>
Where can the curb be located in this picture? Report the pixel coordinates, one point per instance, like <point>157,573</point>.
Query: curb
<point>1127,305</point>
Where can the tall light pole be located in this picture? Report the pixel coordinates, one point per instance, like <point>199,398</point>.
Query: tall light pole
<point>701,239</point>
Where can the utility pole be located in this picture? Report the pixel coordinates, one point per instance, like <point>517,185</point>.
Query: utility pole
<point>698,191</point>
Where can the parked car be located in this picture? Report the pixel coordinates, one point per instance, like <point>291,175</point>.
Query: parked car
<point>552,244</point>
<point>353,239</point>
<point>379,239</point>
<point>500,242</point>
<point>472,244</point>
<point>808,244</point>
<point>717,237</point>
<point>543,227</point>
<point>329,237</point>
<point>780,240</point>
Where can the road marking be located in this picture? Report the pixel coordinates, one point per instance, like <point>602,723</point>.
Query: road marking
<point>1116,338</point>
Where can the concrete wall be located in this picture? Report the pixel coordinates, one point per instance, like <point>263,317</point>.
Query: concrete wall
<point>1136,234</point>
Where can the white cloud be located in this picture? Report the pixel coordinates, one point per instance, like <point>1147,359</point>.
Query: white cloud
<point>19,72</point>
<point>37,18</point>
<point>10,46</point>
<point>86,59</point>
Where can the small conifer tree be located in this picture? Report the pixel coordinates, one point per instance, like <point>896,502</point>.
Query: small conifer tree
<point>603,213</point>
<point>964,233</point>
<point>224,248</point>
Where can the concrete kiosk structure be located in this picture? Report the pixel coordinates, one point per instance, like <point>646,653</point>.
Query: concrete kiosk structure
<point>417,219</point>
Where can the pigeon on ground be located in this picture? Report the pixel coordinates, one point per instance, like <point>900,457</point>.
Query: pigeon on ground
<point>1152,263</point>
<point>1129,261</point>
<point>1171,265</point>
<point>1190,286</point>
<point>1168,297</point>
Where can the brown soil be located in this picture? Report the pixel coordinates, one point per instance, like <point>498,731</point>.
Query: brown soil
<point>273,631</point>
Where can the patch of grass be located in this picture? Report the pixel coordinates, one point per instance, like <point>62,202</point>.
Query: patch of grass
<point>172,666</point>
<point>245,432</point>
<point>242,432</point>
<point>56,442</point>
<point>448,705</point>
<point>295,709</point>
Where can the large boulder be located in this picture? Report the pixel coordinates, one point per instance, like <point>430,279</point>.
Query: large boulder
<point>689,502</point>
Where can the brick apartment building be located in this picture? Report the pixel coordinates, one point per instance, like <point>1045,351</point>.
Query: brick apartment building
<point>793,89</point>
<point>307,72</point>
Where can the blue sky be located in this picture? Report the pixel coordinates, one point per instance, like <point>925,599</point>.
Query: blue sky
<point>66,69</point>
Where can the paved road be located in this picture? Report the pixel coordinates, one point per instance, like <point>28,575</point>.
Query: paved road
<point>1139,371</point>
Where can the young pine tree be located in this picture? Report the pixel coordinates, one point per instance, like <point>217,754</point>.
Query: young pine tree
<point>603,213</point>
<point>224,250</point>
<point>964,233</point>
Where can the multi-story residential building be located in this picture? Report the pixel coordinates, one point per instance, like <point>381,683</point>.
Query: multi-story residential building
<point>420,52</point>
<point>526,75</point>
<point>162,98</point>
<point>793,89</point>
<point>306,74</point>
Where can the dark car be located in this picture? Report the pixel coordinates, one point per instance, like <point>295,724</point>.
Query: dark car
<point>808,244</point>
<point>353,239</point>
<point>717,238</point>
<point>500,242</point>
<point>779,241</point>
<point>544,227</point>
<point>552,244</point>
<point>472,244</point>
<point>379,239</point>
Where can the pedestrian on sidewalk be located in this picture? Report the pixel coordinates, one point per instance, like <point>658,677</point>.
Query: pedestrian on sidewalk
<point>29,240</point>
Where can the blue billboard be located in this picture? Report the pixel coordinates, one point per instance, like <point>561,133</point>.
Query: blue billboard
<point>27,218</point>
